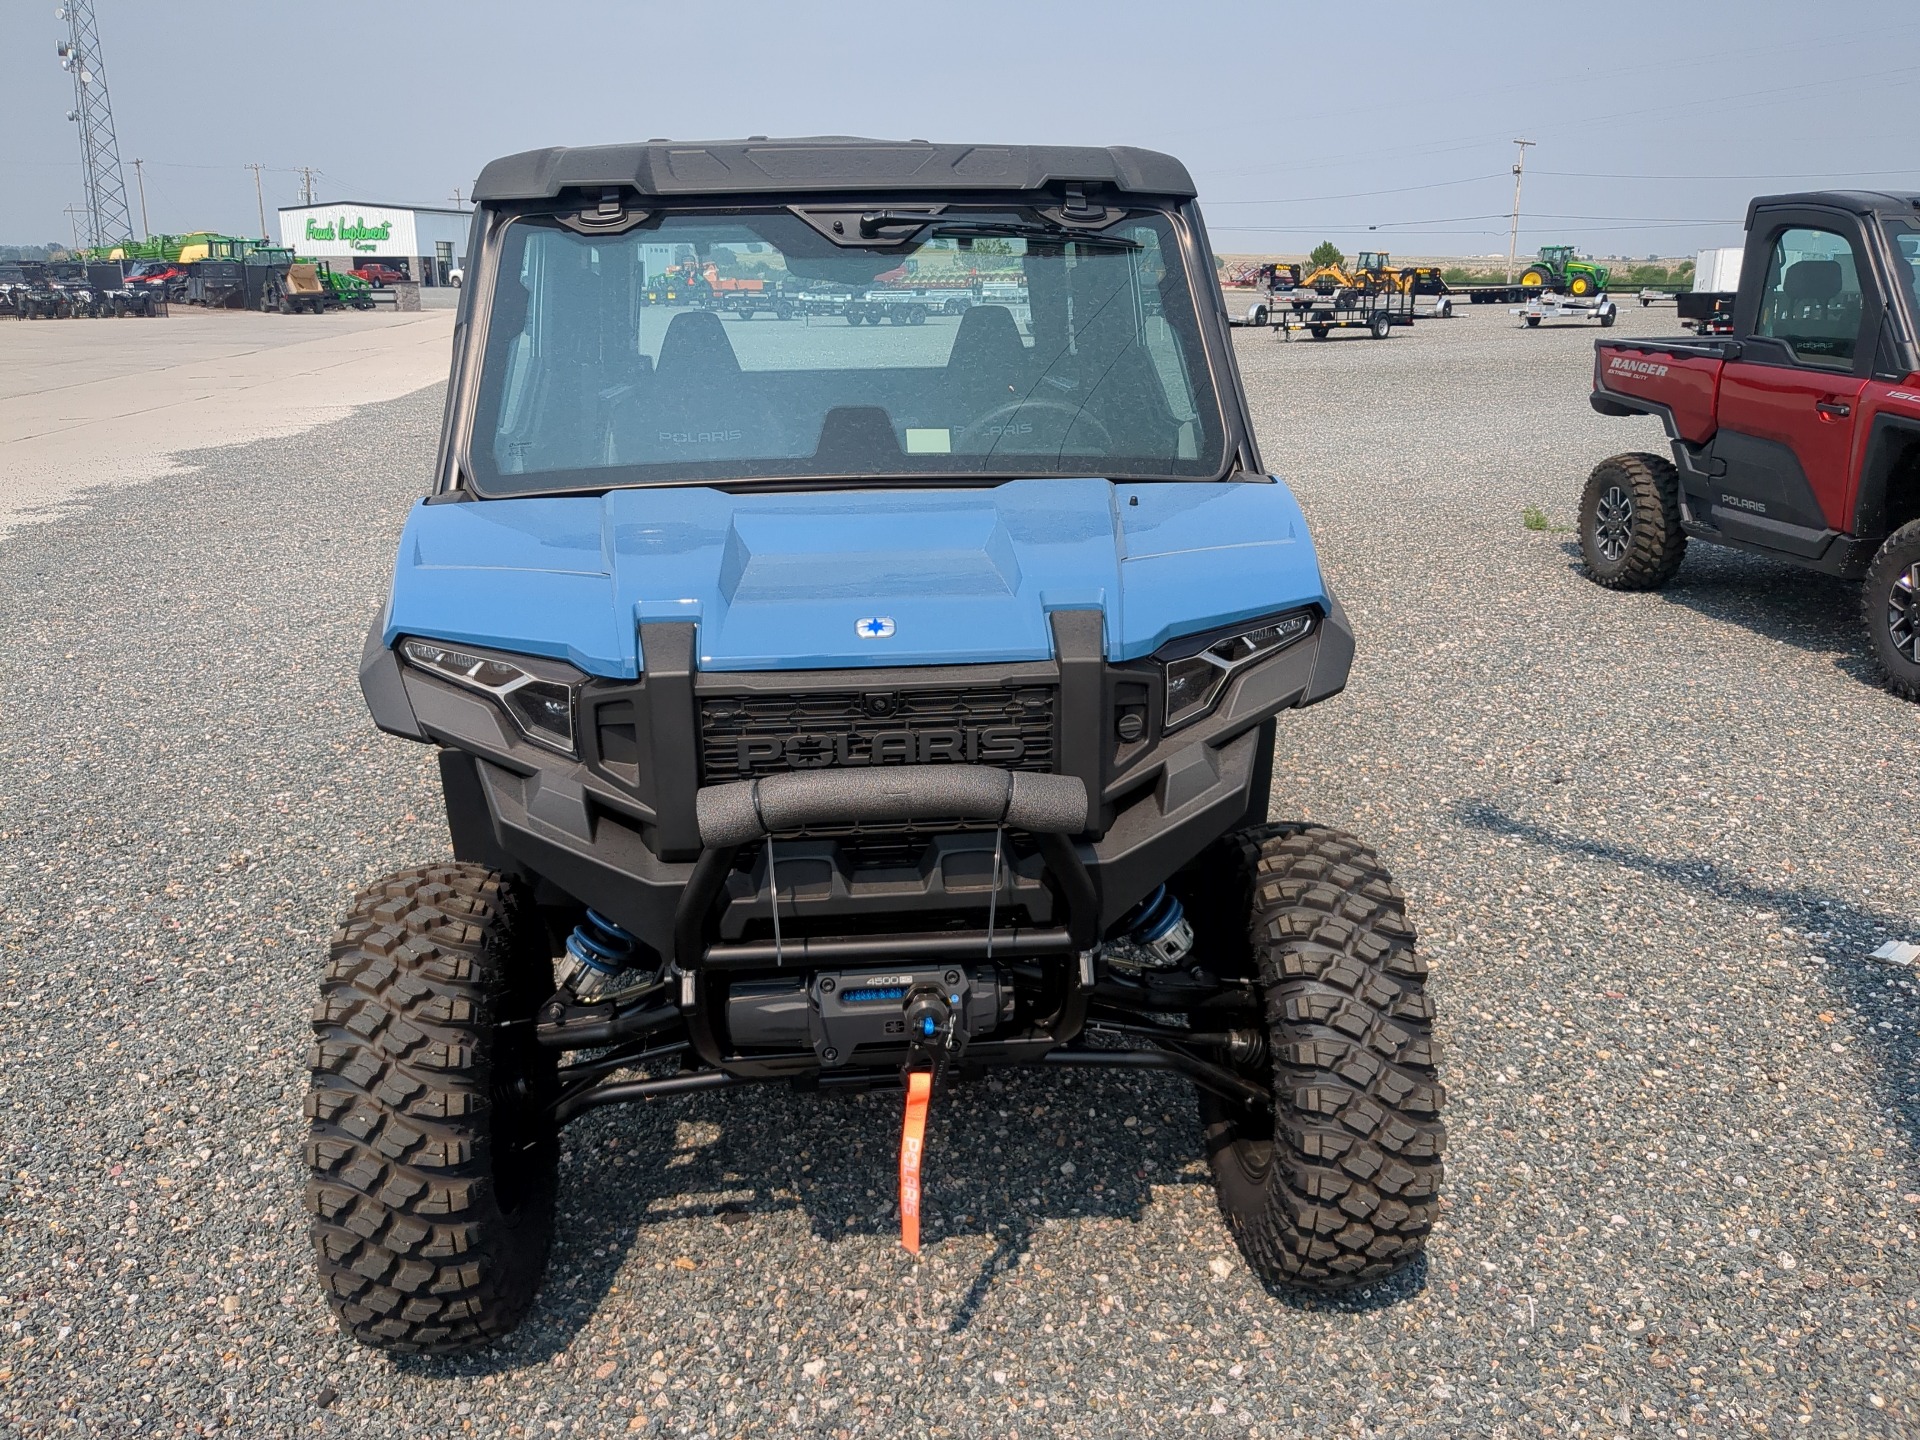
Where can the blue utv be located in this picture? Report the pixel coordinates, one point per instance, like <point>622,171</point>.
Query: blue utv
<point>851,705</point>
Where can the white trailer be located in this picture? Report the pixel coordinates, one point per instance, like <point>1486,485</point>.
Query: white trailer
<point>1551,306</point>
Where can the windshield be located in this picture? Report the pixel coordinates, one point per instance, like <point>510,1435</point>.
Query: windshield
<point>1906,252</point>
<point>699,348</point>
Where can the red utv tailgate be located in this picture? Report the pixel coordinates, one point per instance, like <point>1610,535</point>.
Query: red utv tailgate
<point>1683,382</point>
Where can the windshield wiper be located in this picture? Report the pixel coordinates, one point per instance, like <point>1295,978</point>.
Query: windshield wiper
<point>1028,230</point>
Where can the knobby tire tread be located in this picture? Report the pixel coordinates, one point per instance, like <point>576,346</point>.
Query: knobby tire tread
<point>1658,544</point>
<point>412,1244</point>
<point>1901,549</point>
<point>1351,1182</point>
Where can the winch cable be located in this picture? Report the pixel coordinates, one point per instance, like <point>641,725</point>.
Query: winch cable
<point>913,1136</point>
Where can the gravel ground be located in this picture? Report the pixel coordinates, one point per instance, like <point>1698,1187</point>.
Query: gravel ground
<point>1648,840</point>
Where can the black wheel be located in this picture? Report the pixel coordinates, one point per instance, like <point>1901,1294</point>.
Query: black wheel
<point>1339,1184</point>
<point>1534,278</point>
<point>431,1147</point>
<point>1257,315</point>
<point>1319,332</point>
<point>1890,601</point>
<point>1381,326</point>
<point>1630,535</point>
<point>1606,318</point>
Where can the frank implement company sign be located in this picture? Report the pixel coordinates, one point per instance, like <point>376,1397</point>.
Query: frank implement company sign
<point>351,232</point>
<point>357,236</point>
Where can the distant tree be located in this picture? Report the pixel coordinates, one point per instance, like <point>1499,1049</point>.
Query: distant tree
<point>1326,253</point>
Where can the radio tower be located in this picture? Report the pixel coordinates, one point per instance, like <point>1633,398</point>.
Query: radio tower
<point>108,220</point>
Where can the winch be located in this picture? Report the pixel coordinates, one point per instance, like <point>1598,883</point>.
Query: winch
<point>845,1016</point>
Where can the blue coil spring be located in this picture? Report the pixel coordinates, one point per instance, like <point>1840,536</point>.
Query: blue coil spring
<point>1155,916</point>
<point>601,945</point>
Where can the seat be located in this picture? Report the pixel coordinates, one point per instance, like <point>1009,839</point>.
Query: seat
<point>988,365</point>
<point>857,440</point>
<point>693,407</point>
<point>1824,314</point>
<point>696,351</point>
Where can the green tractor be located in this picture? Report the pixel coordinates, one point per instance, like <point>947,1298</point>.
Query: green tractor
<point>1556,269</point>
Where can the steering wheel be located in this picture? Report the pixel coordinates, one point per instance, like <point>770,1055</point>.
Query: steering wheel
<point>980,435</point>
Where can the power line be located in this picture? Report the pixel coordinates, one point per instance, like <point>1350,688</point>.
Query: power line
<point>1357,194</point>
<point>1802,175</point>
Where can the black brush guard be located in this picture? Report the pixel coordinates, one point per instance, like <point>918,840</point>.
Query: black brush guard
<point>1051,808</point>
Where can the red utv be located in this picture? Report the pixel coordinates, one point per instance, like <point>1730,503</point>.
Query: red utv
<point>1796,434</point>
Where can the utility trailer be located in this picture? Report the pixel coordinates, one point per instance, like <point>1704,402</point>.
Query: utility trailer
<point>907,306</point>
<point>1550,306</point>
<point>1320,315</point>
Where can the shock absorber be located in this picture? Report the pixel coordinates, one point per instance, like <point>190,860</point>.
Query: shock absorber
<point>599,956</point>
<point>1158,930</point>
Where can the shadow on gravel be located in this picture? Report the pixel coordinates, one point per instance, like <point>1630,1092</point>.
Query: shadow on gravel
<point>997,1153</point>
<point>1852,932</point>
<point>1783,603</point>
<point>1382,1295</point>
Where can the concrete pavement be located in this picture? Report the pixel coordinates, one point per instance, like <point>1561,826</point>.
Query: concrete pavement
<point>108,402</point>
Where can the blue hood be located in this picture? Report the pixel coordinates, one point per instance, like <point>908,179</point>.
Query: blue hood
<point>785,581</point>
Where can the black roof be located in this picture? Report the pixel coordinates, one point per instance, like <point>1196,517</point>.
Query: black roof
<point>824,163</point>
<point>1854,202</point>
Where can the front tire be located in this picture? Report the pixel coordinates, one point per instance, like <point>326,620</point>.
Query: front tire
<point>432,1152</point>
<point>1890,604</point>
<point>1630,535</point>
<point>1339,1185</point>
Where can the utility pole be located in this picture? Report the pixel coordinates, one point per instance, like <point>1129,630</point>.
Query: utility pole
<point>1513,235</point>
<point>140,179</point>
<point>456,197</point>
<point>260,199</point>
<point>107,220</point>
<point>306,183</point>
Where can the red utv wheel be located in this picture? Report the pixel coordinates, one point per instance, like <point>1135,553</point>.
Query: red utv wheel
<point>1630,535</point>
<point>1890,604</point>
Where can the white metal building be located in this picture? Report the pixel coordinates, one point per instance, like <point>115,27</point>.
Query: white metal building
<point>424,241</point>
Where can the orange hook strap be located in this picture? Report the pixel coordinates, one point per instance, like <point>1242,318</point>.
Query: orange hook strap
<point>913,1138</point>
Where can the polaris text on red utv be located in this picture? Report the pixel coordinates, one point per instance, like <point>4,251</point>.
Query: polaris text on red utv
<point>830,704</point>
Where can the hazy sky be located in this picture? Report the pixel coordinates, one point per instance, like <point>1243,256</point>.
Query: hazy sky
<point>1655,122</point>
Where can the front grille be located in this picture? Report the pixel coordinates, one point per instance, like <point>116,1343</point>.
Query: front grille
<point>742,736</point>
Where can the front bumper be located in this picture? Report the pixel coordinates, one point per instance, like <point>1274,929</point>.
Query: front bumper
<point>619,828</point>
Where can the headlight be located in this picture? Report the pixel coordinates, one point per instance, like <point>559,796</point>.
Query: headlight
<point>543,709</point>
<point>1195,682</point>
